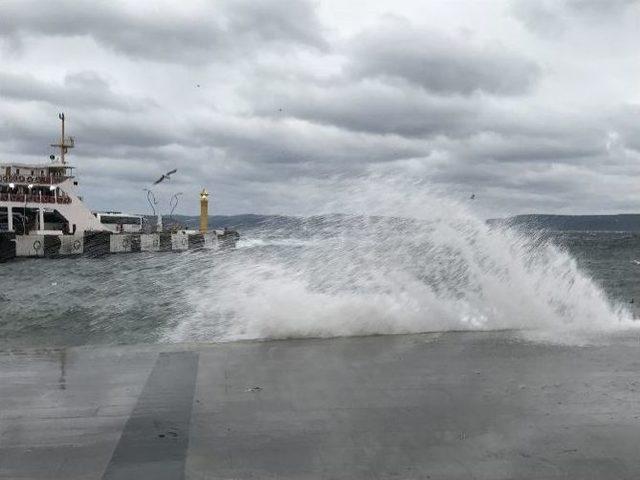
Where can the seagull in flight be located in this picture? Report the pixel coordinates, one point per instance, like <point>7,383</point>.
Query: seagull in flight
<point>166,176</point>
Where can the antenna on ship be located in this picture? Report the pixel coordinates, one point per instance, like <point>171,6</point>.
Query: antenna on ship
<point>65,143</point>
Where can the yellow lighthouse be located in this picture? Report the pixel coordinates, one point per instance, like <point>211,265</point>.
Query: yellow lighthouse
<point>204,211</point>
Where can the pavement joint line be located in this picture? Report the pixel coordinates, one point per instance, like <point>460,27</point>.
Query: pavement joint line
<point>155,438</point>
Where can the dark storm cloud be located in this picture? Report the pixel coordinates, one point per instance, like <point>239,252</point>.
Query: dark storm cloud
<point>118,145</point>
<point>376,107</point>
<point>220,31</point>
<point>440,63</point>
<point>291,21</point>
<point>403,80</point>
<point>261,103</point>
<point>522,149</point>
<point>99,132</point>
<point>80,89</point>
<point>370,107</point>
<point>273,145</point>
<point>552,187</point>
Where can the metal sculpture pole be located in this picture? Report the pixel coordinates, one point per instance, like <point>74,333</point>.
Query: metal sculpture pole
<point>173,203</point>
<point>151,198</point>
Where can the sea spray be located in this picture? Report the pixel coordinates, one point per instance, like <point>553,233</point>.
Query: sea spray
<point>399,258</point>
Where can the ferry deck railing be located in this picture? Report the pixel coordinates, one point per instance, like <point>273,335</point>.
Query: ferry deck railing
<point>21,197</point>
<point>31,180</point>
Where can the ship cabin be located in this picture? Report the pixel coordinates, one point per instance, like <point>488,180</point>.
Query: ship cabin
<point>31,196</point>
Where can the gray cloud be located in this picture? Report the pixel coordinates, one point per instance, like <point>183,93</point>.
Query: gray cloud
<point>370,107</point>
<point>521,149</point>
<point>79,89</point>
<point>213,32</point>
<point>600,6</point>
<point>439,63</point>
<point>285,104</point>
<point>291,21</point>
<point>554,17</point>
<point>623,125</point>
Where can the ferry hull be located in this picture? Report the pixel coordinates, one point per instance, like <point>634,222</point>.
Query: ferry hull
<point>96,244</point>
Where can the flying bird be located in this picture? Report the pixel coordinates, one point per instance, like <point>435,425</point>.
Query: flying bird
<point>472,197</point>
<point>166,176</point>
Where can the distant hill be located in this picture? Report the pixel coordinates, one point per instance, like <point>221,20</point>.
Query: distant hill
<point>250,220</point>
<point>233,221</point>
<point>591,223</point>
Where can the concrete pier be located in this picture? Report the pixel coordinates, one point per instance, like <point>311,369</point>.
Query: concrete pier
<point>439,406</point>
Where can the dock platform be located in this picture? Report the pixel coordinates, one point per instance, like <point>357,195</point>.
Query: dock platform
<point>440,406</point>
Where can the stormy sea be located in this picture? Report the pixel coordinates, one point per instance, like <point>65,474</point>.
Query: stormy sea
<point>420,266</point>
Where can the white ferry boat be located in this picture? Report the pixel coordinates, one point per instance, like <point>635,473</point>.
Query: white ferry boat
<point>42,215</point>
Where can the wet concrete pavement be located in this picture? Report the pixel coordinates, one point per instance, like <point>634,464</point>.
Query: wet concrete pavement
<point>439,406</point>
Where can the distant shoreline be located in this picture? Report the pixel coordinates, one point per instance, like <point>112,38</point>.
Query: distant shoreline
<point>629,222</point>
<point>593,223</point>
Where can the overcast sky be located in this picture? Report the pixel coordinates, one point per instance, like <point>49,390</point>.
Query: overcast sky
<point>534,106</point>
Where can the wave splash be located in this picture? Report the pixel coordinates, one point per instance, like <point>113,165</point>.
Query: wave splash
<point>403,259</point>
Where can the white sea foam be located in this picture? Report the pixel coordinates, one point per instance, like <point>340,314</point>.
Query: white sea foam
<point>410,261</point>
<point>253,242</point>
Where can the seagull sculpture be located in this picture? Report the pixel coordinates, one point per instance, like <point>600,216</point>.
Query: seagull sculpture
<point>166,176</point>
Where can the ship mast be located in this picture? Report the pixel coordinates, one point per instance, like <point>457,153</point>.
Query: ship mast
<point>65,143</point>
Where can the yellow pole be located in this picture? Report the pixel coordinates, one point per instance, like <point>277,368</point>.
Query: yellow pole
<point>204,211</point>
